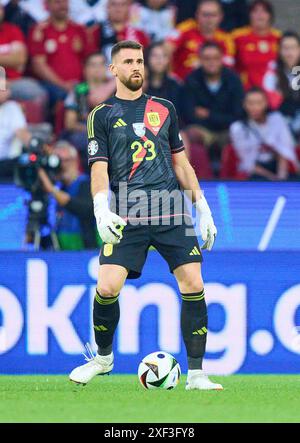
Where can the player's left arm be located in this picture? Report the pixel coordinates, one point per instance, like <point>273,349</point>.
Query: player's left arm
<point>188,182</point>
<point>186,175</point>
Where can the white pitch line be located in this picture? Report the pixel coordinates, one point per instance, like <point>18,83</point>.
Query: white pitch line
<point>272,223</point>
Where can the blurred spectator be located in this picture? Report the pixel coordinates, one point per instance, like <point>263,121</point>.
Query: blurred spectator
<point>257,44</point>
<point>156,17</point>
<point>98,9</point>
<point>58,47</point>
<point>159,82</point>
<point>262,140</point>
<point>13,57</point>
<point>282,81</point>
<point>188,37</point>
<point>75,221</point>
<point>87,11</point>
<point>85,96</point>
<point>13,132</point>
<point>81,11</point>
<point>13,54</point>
<point>212,101</point>
<point>36,9</point>
<point>15,14</point>
<point>117,28</point>
<point>235,14</point>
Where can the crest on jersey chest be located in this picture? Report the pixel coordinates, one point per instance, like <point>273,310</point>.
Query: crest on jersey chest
<point>139,129</point>
<point>153,118</point>
<point>155,115</point>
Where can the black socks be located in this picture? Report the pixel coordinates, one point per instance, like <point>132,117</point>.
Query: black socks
<point>194,327</point>
<point>106,316</point>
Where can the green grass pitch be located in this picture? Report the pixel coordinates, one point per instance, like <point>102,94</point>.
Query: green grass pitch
<point>120,398</point>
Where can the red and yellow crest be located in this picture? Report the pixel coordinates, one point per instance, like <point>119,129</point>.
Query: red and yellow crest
<point>153,118</point>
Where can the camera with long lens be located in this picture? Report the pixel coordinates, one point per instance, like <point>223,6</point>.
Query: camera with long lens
<point>33,157</point>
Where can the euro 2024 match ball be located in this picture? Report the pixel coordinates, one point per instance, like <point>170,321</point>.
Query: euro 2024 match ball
<point>159,370</point>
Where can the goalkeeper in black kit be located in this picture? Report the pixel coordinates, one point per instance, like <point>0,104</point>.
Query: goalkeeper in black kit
<point>135,149</point>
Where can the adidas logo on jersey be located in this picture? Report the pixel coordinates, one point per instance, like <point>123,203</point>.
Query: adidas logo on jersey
<point>120,123</point>
<point>195,251</point>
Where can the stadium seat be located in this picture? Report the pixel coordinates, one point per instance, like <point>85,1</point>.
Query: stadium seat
<point>59,117</point>
<point>34,110</point>
<point>200,161</point>
<point>229,163</point>
<point>292,167</point>
<point>275,99</point>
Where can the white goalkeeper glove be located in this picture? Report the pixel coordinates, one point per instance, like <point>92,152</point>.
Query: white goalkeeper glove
<point>107,221</point>
<point>207,226</point>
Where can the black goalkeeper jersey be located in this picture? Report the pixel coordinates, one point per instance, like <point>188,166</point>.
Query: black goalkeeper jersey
<point>137,138</point>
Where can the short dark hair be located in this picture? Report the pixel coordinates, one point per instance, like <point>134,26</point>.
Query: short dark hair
<point>155,44</point>
<point>268,7</point>
<point>290,34</point>
<point>202,2</point>
<point>93,54</point>
<point>256,90</point>
<point>211,44</point>
<point>149,49</point>
<point>125,44</point>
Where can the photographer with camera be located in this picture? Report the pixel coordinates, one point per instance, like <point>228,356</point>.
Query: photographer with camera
<point>75,228</point>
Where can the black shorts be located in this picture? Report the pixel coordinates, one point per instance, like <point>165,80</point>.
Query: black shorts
<point>171,242</point>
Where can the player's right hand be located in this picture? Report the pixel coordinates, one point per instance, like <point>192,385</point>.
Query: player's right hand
<point>107,224</point>
<point>107,221</point>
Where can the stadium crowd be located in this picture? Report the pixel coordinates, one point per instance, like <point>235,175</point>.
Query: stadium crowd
<point>230,74</point>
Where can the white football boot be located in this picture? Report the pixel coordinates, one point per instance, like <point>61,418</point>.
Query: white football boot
<point>197,379</point>
<point>96,365</point>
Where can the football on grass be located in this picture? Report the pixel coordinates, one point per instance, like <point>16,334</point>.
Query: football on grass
<point>159,370</point>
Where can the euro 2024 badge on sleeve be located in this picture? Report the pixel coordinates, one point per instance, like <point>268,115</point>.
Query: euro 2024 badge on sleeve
<point>93,147</point>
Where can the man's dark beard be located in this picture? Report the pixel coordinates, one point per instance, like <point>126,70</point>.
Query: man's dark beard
<point>133,85</point>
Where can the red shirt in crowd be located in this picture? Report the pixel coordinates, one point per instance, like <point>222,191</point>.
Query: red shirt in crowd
<point>130,33</point>
<point>10,35</point>
<point>105,36</point>
<point>188,40</point>
<point>64,50</point>
<point>254,53</point>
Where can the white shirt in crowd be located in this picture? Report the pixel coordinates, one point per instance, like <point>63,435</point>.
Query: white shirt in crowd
<point>248,140</point>
<point>79,10</point>
<point>12,119</point>
<point>158,24</point>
